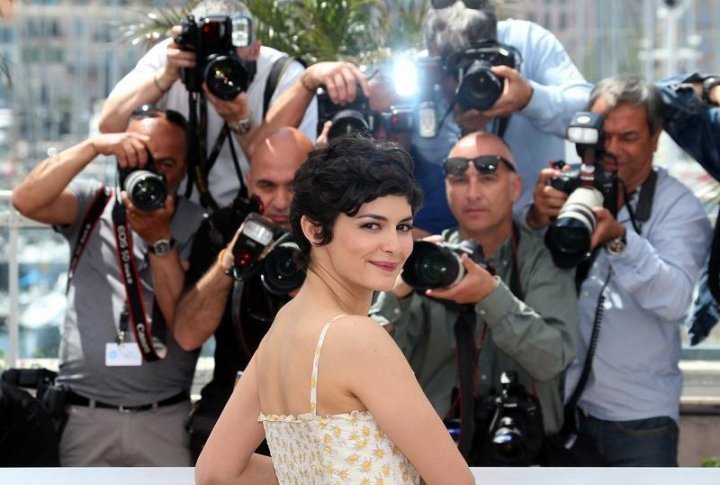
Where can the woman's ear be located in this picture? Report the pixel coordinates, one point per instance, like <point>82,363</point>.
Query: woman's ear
<point>310,230</point>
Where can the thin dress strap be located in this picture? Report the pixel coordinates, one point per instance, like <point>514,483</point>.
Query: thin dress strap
<point>316,361</point>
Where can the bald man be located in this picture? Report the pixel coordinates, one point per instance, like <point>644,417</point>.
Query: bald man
<point>205,306</point>
<point>524,313</point>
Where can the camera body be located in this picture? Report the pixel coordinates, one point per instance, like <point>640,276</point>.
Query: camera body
<point>568,237</point>
<point>269,249</point>
<point>509,427</point>
<point>353,116</point>
<point>433,265</point>
<point>146,187</point>
<point>478,87</point>
<point>213,39</point>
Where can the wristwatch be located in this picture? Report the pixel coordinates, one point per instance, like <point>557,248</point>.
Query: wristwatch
<point>241,127</point>
<point>616,246</point>
<point>162,247</point>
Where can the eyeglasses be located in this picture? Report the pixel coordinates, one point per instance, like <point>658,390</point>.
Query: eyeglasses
<point>152,111</point>
<point>474,4</point>
<point>484,164</point>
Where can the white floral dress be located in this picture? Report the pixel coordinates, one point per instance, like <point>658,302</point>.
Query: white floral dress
<point>337,449</point>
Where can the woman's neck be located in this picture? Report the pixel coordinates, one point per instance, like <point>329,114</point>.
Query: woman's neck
<point>325,289</point>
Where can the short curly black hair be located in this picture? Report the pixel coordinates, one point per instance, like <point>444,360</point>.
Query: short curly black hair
<point>342,176</point>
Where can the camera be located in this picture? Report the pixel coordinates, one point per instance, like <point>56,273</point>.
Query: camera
<point>269,249</point>
<point>146,188</point>
<point>213,39</point>
<point>568,237</point>
<point>478,87</point>
<point>354,116</point>
<point>509,427</point>
<point>433,265</point>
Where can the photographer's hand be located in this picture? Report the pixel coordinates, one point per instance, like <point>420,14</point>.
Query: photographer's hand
<point>607,229</point>
<point>477,284</point>
<point>547,200</point>
<point>339,78</point>
<point>176,59</point>
<point>322,139</point>
<point>516,94</point>
<point>130,149</point>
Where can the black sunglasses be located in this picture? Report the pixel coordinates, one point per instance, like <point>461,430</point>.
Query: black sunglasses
<point>474,4</point>
<point>152,111</point>
<point>484,164</point>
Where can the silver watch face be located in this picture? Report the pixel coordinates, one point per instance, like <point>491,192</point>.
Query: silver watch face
<point>161,247</point>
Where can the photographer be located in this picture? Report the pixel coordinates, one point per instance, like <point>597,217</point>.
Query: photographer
<point>125,274</point>
<point>535,102</point>
<point>159,78</point>
<point>206,307</point>
<point>646,261</point>
<point>523,319</point>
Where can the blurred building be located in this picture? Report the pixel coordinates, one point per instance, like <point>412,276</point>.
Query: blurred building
<point>649,37</point>
<point>63,57</point>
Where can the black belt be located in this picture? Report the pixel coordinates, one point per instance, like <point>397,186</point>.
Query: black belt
<point>78,400</point>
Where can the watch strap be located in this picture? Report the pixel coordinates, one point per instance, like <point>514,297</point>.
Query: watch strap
<point>242,126</point>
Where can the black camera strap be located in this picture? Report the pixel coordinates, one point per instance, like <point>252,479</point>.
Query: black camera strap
<point>468,353</point>
<point>151,347</point>
<point>92,216</point>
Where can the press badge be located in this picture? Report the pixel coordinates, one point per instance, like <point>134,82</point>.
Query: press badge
<point>122,355</point>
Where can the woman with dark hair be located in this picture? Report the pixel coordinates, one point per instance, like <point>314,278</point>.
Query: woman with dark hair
<point>328,387</point>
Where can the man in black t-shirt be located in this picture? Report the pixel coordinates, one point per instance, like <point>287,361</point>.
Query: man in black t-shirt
<point>206,306</point>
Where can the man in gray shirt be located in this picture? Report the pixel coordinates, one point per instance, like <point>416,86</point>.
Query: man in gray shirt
<point>128,391</point>
<point>524,318</point>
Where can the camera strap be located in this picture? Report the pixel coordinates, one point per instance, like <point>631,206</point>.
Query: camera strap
<point>468,353</point>
<point>92,216</point>
<point>276,73</point>
<point>151,347</point>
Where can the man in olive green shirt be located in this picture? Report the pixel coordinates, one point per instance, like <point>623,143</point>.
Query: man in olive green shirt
<point>534,336</point>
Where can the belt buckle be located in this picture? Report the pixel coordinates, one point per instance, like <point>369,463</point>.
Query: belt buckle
<point>126,409</point>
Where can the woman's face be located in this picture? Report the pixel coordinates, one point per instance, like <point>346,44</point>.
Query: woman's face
<point>369,249</point>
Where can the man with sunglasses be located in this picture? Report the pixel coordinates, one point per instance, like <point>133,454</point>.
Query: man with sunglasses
<point>156,79</point>
<point>645,264</point>
<point>127,389</point>
<point>523,307</point>
<point>538,99</point>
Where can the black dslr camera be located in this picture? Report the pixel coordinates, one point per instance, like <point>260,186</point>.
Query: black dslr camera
<point>433,265</point>
<point>354,116</point>
<point>213,39</point>
<point>568,237</point>
<point>268,248</point>
<point>478,87</point>
<point>509,427</point>
<point>146,187</point>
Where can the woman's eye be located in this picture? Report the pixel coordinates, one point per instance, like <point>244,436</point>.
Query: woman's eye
<point>371,225</point>
<point>405,227</point>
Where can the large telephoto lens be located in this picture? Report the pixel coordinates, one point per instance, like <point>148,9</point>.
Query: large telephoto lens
<point>225,76</point>
<point>281,273</point>
<point>147,190</point>
<point>568,238</point>
<point>432,266</point>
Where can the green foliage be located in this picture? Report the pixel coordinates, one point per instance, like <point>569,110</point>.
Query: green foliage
<point>155,25</point>
<point>711,462</point>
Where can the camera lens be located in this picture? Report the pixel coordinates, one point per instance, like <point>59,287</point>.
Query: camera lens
<point>225,77</point>
<point>281,273</point>
<point>147,190</point>
<point>432,266</point>
<point>479,88</point>
<point>568,238</point>
<point>347,121</point>
<point>508,443</point>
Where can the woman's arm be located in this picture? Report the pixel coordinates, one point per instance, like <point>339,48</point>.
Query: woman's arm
<point>229,455</point>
